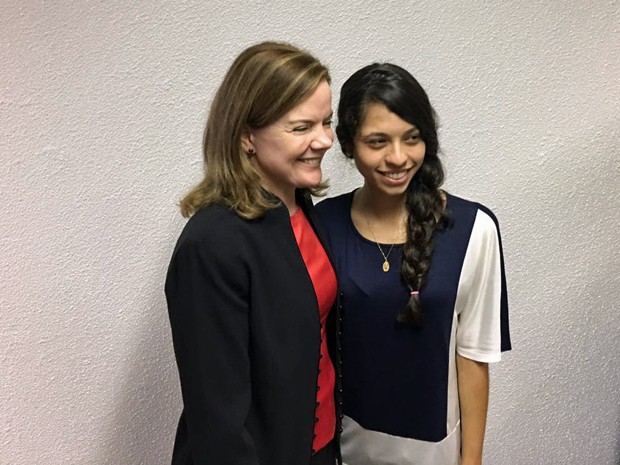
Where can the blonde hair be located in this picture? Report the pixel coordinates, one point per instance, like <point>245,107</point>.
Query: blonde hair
<point>264,82</point>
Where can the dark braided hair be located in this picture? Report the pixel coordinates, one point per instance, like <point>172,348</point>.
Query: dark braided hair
<point>398,90</point>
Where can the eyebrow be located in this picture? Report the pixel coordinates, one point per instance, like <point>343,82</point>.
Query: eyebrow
<point>414,129</point>
<point>306,120</point>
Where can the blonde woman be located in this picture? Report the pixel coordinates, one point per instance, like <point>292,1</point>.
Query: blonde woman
<point>250,286</point>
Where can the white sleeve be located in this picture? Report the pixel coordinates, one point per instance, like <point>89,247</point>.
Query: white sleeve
<point>479,296</point>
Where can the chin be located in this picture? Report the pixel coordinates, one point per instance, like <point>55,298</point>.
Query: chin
<point>311,182</point>
<point>393,191</point>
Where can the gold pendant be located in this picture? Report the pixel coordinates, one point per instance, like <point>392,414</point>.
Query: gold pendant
<point>386,266</point>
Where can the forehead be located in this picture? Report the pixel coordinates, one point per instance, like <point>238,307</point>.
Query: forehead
<point>317,103</point>
<point>378,118</point>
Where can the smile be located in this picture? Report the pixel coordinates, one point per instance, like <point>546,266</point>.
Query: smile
<point>311,161</point>
<point>396,175</point>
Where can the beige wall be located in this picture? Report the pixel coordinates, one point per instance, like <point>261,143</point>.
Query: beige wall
<point>102,106</point>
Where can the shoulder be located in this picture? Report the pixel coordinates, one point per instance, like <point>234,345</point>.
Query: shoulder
<point>218,231</point>
<point>472,212</point>
<point>334,206</point>
<point>221,230</point>
<point>334,213</point>
<point>211,224</point>
<point>210,249</point>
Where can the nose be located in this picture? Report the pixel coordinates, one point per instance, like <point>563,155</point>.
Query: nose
<point>396,155</point>
<point>323,139</point>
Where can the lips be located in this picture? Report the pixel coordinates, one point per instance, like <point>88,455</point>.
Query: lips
<point>395,175</point>
<point>311,161</point>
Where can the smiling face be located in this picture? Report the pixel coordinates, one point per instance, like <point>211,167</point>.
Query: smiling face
<point>288,152</point>
<point>388,151</point>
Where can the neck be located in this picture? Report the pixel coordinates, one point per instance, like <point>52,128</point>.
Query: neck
<point>379,218</point>
<point>382,207</point>
<point>292,208</point>
<point>286,197</point>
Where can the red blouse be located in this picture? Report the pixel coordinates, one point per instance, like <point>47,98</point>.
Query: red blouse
<point>325,287</point>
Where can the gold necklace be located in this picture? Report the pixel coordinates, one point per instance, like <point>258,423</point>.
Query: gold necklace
<point>386,264</point>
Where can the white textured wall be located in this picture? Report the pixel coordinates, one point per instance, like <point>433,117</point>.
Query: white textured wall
<point>102,106</point>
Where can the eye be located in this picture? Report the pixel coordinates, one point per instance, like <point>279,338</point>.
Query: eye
<point>413,138</point>
<point>327,122</point>
<point>300,129</point>
<point>376,142</point>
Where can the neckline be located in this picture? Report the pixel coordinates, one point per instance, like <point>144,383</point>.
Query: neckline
<point>369,241</point>
<point>357,233</point>
<point>297,215</point>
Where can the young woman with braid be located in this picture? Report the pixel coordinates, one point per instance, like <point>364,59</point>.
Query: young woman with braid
<point>421,275</point>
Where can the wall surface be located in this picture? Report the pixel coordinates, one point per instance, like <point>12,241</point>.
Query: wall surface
<point>102,106</point>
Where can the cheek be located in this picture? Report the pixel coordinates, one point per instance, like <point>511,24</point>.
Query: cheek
<point>361,163</point>
<point>262,145</point>
<point>293,148</point>
<point>421,154</point>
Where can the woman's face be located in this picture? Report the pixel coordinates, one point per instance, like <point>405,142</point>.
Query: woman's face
<point>288,152</point>
<point>388,151</point>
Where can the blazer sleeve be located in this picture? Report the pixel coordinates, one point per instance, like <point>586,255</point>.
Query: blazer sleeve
<point>207,290</point>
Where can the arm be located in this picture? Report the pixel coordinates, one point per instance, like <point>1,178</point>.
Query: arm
<point>482,330</point>
<point>473,383</point>
<point>206,290</point>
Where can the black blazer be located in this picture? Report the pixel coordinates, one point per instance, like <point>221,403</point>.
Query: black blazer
<point>245,328</point>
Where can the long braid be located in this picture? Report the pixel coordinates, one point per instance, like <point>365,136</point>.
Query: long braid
<point>424,208</point>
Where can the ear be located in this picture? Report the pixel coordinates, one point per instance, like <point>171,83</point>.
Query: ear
<point>247,142</point>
